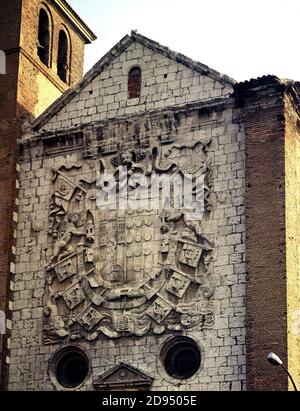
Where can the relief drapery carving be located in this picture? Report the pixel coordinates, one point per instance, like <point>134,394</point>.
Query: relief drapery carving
<point>121,271</point>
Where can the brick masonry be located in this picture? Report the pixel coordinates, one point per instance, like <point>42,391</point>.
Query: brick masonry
<point>266,266</point>
<point>9,132</point>
<point>271,212</point>
<point>23,97</point>
<point>35,77</point>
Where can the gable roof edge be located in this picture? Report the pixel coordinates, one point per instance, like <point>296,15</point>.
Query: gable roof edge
<point>181,58</point>
<point>65,8</point>
<point>122,45</point>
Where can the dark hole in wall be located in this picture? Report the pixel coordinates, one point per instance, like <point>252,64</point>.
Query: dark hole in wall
<point>134,82</point>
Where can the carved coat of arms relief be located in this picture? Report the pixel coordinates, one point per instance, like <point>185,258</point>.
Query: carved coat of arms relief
<point>117,271</point>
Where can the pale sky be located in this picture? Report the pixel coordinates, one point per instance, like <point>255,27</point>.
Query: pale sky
<point>241,38</point>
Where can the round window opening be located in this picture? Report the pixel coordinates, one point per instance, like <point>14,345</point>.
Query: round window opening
<point>182,358</point>
<point>72,368</point>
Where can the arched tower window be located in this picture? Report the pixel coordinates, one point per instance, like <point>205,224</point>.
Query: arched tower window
<point>134,82</point>
<point>44,37</point>
<point>63,57</point>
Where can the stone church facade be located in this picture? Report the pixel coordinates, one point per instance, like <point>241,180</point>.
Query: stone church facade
<point>105,294</point>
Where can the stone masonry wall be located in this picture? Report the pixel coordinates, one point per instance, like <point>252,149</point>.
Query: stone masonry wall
<point>174,127</point>
<point>165,83</point>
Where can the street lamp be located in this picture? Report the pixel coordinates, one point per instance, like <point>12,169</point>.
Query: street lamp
<point>275,360</point>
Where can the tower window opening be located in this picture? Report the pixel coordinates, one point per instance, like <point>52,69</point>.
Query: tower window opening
<point>44,38</point>
<point>62,57</point>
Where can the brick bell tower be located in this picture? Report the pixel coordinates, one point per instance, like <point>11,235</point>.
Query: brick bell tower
<point>42,52</point>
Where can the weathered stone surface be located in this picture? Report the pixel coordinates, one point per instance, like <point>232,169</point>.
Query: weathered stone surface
<point>121,282</point>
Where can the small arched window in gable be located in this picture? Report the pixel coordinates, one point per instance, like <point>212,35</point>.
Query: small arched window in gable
<point>63,57</point>
<point>134,82</point>
<point>44,37</point>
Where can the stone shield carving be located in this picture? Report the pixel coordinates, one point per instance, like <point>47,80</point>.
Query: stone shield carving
<point>118,271</point>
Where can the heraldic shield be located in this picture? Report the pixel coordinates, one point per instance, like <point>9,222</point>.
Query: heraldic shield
<point>117,271</point>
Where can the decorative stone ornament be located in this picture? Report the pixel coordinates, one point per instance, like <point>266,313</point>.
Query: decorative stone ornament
<point>123,376</point>
<point>118,271</point>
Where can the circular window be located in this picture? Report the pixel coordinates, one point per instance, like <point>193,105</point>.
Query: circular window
<point>71,367</point>
<point>182,358</point>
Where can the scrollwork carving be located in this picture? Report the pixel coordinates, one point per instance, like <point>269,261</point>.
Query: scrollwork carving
<point>117,272</point>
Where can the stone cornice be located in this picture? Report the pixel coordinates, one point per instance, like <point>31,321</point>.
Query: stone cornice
<point>58,84</point>
<point>181,58</point>
<point>217,104</point>
<point>62,87</point>
<point>80,26</point>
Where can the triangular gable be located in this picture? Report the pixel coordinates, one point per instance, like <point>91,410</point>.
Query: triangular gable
<point>115,52</point>
<point>181,58</point>
<point>123,375</point>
